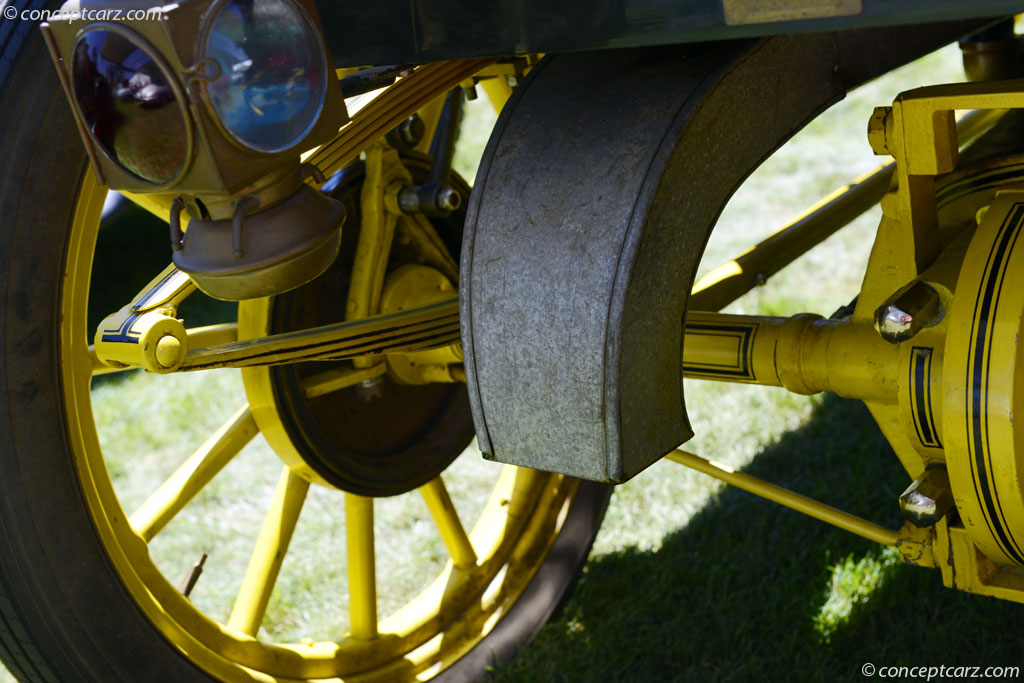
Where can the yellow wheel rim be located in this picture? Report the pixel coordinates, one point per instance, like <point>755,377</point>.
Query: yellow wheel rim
<point>454,613</point>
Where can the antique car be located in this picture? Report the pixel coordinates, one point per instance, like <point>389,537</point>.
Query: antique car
<point>299,157</point>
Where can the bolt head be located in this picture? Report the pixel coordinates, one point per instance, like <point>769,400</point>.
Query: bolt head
<point>880,130</point>
<point>904,315</point>
<point>894,323</point>
<point>928,498</point>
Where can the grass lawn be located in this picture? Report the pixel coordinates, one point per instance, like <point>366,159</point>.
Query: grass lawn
<point>687,580</point>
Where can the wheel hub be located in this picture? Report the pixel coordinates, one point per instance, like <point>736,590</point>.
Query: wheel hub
<point>983,383</point>
<point>379,437</point>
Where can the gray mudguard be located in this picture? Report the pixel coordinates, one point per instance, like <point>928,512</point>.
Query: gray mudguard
<point>596,194</point>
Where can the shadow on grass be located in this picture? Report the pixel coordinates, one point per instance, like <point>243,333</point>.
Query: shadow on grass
<point>735,592</point>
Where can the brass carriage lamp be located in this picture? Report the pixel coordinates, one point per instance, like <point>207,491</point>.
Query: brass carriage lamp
<point>211,102</point>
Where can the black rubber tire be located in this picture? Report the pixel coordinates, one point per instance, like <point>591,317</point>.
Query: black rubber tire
<point>64,613</point>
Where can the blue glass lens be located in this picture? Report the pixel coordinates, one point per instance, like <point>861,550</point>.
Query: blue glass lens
<point>129,106</point>
<point>272,79</point>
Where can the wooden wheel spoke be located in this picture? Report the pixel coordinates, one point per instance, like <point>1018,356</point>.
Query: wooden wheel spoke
<point>195,473</point>
<point>267,556</point>
<point>362,576</point>
<point>448,524</point>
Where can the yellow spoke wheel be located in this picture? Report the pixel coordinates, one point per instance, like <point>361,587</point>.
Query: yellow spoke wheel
<point>81,597</point>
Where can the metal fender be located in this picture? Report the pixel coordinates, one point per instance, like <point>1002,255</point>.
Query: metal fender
<point>596,194</point>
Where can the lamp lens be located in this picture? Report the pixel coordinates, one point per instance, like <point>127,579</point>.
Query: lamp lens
<point>127,102</point>
<point>272,79</point>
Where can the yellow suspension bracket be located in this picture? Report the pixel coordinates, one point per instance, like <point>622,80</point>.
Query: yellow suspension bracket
<point>912,274</point>
<point>385,176</point>
<point>729,281</point>
<point>951,549</point>
<point>146,333</point>
<point>411,286</point>
<point>500,78</point>
<point>919,131</point>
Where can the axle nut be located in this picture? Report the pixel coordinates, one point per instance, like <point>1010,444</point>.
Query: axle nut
<point>903,316</point>
<point>928,498</point>
<point>448,198</point>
